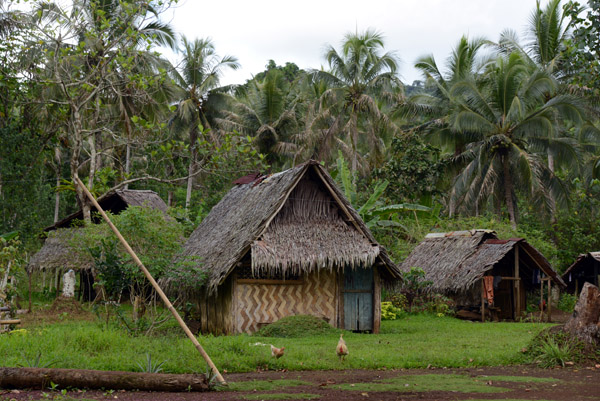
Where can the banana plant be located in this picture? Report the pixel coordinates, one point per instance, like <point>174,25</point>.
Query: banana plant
<point>373,212</point>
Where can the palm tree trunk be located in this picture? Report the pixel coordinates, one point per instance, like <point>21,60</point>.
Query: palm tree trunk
<point>354,139</point>
<point>74,163</point>
<point>191,167</point>
<point>57,193</point>
<point>508,192</point>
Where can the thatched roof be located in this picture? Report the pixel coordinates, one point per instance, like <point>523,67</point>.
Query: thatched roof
<point>116,202</point>
<point>455,261</point>
<point>295,220</point>
<point>584,257</point>
<point>58,253</point>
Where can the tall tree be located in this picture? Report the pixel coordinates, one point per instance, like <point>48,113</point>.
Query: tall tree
<point>511,124</point>
<point>359,76</point>
<point>199,78</point>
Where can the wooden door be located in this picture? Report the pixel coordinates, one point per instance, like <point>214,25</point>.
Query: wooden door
<point>358,299</point>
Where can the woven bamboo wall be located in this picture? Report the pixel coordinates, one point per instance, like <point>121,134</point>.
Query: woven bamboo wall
<point>257,304</point>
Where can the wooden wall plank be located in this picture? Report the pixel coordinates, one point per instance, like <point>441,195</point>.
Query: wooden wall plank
<point>376,300</point>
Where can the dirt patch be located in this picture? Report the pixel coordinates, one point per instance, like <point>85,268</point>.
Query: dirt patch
<point>60,310</point>
<point>503,383</point>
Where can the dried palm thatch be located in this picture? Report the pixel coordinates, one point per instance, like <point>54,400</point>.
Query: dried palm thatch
<point>454,261</point>
<point>296,221</point>
<point>117,201</point>
<point>57,252</point>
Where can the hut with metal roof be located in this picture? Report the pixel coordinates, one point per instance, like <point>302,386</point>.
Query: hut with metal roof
<point>286,244</point>
<point>586,269</point>
<point>482,272</point>
<point>56,256</point>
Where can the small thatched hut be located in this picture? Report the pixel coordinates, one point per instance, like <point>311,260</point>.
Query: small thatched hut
<point>287,244</point>
<point>458,263</point>
<point>56,256</point>
<point>116,202</point>
<point>586,269</point>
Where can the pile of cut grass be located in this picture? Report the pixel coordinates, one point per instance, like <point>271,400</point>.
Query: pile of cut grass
<point>296,327</point>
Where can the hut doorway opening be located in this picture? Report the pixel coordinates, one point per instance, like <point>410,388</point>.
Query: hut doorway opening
<point>358,299</point>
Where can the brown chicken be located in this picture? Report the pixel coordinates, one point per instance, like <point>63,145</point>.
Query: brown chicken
<point>342,348</point>
<point>277,352</point>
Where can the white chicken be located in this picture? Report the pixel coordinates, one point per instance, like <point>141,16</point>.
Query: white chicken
<point>342,348</point>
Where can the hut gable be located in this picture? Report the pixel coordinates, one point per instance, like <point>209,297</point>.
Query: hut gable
<point>585,269</point>
<point>296,219</point>
<point>116,202</point>
<point>455,261</point>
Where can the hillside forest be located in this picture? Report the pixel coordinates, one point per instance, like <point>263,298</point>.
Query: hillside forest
<point>502,134</point>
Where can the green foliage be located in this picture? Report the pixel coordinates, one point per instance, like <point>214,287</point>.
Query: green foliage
<point>150,367</point>
<point>567,302</point>
<point>583,49</point>
<point>413,284</point>
<point>36,362</point>
<point>413,168</point>
<point>296,326</point>
<point>390,312</point>
<point>109,268</point>
<point>551,349</point>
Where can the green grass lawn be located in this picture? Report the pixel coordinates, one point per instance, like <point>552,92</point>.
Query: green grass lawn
<point>413,342</point>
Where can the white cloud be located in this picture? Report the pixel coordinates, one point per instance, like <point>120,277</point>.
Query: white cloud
<point>298,31</point>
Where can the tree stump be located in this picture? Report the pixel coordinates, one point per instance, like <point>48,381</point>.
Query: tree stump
<point>585,321</point>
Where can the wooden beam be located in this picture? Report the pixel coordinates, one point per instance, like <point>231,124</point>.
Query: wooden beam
<point>157,288</point>
<point>10,321</point>
<point>517,284</point>
<point>549,301</point>
<point>482,301</point>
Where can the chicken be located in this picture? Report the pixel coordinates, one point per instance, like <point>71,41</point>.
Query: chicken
<point>342,348</point>
<point>277,352</point>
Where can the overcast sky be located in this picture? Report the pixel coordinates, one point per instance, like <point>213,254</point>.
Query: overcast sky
<point>298,31</point>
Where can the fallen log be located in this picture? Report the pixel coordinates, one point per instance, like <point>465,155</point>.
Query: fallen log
<point>41,378</point>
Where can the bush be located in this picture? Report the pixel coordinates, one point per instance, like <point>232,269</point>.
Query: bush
<point>434,303</point>
<point>566,302</point>
<point>390,312</point>
<point>296,326</point>
<point>556,348</point>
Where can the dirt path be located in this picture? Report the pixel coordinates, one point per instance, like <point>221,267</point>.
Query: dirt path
<point>496,383</point>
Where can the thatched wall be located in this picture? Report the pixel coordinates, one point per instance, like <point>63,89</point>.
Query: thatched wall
<point>309,233</point>
<point>257,304</point>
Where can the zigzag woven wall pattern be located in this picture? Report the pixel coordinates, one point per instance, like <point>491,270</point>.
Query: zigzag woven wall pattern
<point>259,304</point>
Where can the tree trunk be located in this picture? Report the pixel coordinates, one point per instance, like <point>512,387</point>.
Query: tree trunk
<point>354,128</point>
<point>57,194</point>
<point>92,143</point>
<point>192,167</point>
<point>170,198</point>
<point>508,191</point>
<point>75,153</point>
<point>585,321</point>
<point>39,378</point>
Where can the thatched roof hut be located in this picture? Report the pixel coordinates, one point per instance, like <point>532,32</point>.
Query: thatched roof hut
<point>57,255</point>
<point>456,263</point>
<point>116,202</point>
<point>585,269</point>
<point>276,236</point>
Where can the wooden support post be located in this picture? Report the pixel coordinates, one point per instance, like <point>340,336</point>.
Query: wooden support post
<point>549,299</point>
<point>482,301</point>
<point>159,291</point>
<point>517,284</point>
<point>541,299</point>
<point>376,300</point>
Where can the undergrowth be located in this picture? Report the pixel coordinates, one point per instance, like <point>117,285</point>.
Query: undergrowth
<point>556,348</point>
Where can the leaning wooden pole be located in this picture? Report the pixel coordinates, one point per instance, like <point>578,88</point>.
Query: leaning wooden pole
<point>160,292</point>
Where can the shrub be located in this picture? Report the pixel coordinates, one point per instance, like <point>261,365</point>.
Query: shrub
<point>296,326</point>
<point>390,312</point>
<point>556,348</point>
<point>566,302</point>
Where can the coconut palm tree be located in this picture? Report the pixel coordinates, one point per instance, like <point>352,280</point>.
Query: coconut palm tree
<point>199,78</point>
<point>511,126</point>
<point>359,76</point>
<point>266,110</point>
